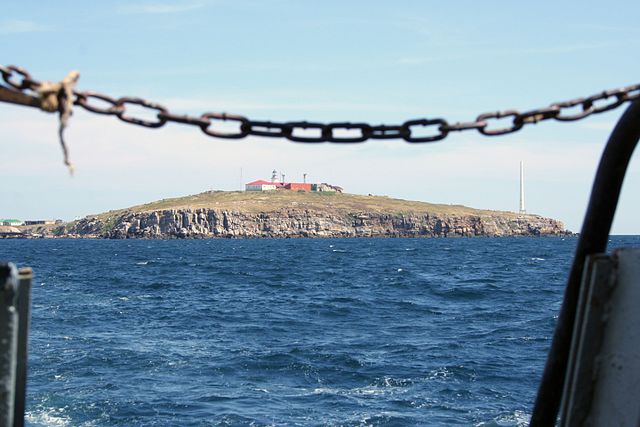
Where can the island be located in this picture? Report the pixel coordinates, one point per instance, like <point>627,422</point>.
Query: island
<point>292,214</point>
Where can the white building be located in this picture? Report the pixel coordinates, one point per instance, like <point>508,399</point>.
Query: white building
<point>260,185</point>
<point>11,222</point>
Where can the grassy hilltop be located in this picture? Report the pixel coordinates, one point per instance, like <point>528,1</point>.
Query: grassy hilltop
<point>272,201</point>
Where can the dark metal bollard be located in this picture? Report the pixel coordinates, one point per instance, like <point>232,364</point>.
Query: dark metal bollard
<point>24,318</point>
<point>15,294</point>
<point>8,342</point>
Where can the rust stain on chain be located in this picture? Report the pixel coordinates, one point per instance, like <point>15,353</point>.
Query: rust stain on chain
<point>21,81</point>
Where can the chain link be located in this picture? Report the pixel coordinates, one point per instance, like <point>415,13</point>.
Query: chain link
<point>82,99</point>
<point>207,124</point>
<point>121,104</point>
<point>26,82</point>
<point>413,131</point>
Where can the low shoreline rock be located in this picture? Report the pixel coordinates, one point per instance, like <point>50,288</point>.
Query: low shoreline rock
<point>292,223</point>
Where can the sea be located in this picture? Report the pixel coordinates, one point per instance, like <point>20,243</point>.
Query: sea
<point>291,332</point>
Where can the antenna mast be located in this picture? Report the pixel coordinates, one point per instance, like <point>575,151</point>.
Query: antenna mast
<point>522,209</point>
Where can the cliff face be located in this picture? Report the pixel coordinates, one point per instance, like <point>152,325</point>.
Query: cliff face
<point>206,223</point>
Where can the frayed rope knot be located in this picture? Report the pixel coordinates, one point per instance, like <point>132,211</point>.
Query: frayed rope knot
<point>59,97</point>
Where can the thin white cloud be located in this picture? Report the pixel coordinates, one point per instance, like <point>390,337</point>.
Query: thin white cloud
<point>538,50</point>
<point>159,7</point>
<point>416,60</point>
<point>566,48</point>
<point>584,27</point>
<point>605,126</point>
<point>240,105</point>
<point>16,26</point>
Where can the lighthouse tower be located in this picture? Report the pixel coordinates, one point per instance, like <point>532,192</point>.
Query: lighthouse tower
<point>522,209</point>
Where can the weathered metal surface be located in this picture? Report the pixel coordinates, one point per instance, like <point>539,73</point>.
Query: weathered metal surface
<point>8,342</point>
<point>597,285</point>
<point>19,98</point>
<point>15,295</point>
<point>25,276</point>
<point>616,398</point>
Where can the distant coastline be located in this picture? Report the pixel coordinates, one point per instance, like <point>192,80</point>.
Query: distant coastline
<point>220,214</point>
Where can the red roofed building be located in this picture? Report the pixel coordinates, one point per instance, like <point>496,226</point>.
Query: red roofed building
<point>260,185</point>
<point>281,184</point>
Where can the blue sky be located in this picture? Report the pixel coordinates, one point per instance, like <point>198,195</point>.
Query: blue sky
<point>380,62</point>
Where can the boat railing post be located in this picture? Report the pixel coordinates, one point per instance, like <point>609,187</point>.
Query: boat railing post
<point>15,312</point>
<point>8,341</point>
<point>24,318</point>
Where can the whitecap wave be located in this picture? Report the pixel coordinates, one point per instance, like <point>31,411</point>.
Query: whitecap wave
<point>517,419</point>
<point>47,417</point>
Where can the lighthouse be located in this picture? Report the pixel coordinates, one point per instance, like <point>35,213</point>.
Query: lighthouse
<point>522,209</point>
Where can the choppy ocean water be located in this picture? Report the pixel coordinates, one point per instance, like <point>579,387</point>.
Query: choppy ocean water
<point>303,332</point>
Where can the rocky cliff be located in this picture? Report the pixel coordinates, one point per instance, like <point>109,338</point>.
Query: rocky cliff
<point>301,222</point>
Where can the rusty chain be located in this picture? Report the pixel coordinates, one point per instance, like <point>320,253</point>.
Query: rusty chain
<point>20,80</point>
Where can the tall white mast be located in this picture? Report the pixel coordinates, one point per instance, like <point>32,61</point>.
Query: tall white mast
<point>522,210</point>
